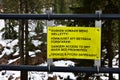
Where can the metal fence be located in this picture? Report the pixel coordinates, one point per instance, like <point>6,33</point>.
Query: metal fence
<point>59,17</point>
<point>60,69</point>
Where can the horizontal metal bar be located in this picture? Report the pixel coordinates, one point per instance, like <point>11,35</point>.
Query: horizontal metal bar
<point>59,16</point>
<point>60,69</point>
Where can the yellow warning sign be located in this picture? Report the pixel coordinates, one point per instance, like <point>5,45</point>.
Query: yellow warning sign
<point>73,42</point>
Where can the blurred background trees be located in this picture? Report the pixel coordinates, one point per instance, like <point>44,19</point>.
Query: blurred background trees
<point>110,39</point>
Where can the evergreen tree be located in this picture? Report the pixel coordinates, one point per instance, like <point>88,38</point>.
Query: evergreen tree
<point>108,28</point>
<point>109,35</point>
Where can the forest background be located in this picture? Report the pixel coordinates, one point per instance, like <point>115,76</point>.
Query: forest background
<point>110,28</point>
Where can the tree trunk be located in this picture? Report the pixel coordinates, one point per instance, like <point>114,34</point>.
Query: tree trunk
<point>26,34</point>
<point>110,49</point>
<point>109,9</point>
<point>24,75</point>
<point>119,34</point>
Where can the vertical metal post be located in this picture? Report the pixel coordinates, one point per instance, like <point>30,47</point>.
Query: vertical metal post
<point>49,23</point>
<point>98,23</point>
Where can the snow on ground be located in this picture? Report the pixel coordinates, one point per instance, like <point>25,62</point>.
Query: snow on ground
<point>4,75</point>
<point>115,65</point>
<point>35,75</point>
<point>2,25</point>
<point>36,42</point>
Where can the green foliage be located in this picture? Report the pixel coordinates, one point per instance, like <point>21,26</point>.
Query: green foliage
<point>62,6</point>
<point>109,29</point>
<point>35,6</point>
<point>9,32</point>
<point>39,27</point>
<point>11,6</point>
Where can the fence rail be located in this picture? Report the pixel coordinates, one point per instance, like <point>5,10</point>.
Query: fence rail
<point>55,17</point>
<point>59,69</point>
<point>60,16</point>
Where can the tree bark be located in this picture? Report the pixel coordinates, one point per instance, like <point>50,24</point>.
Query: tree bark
<point>109,46</point>
<point>119,34</point>
<point>24,75</point>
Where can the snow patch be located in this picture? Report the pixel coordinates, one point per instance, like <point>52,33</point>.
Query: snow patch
<point>64,63</point>
<point>13,60</point>
<point>7,51</point>
<point>32,53</point>
<point>2,24</point>
<point>36,42</point>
